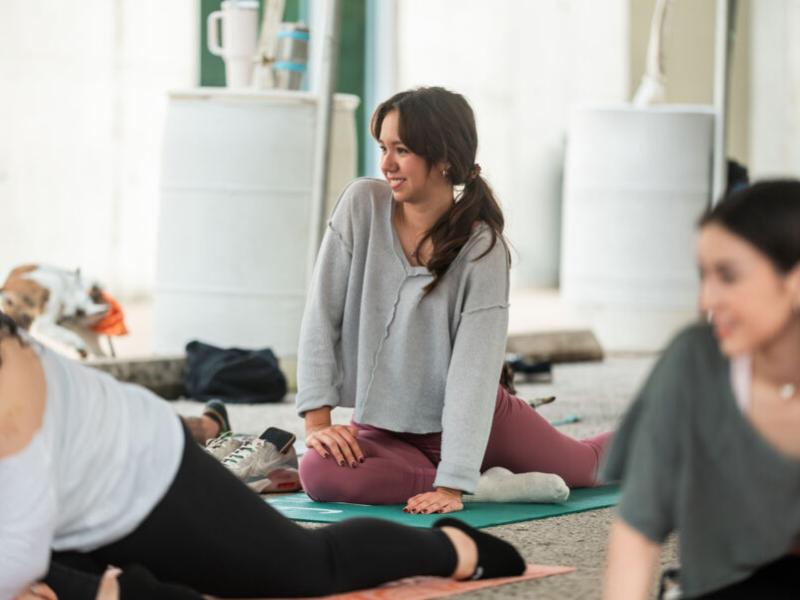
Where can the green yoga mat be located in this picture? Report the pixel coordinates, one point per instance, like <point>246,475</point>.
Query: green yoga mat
<point>300,507</point>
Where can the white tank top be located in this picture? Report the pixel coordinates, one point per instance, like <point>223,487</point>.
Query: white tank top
<point>741,379</point>
<point>105,455</point>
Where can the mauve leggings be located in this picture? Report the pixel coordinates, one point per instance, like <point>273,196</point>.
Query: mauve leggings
<point>399,465</point>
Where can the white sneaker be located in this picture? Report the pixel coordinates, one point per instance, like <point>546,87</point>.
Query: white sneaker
<point>263,468</point>
<point>279,480</point>
<point>222,446</point>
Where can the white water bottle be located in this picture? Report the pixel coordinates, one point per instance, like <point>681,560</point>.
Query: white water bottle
<point>239,19</point>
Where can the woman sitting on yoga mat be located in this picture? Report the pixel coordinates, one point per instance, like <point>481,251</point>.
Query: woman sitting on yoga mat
<point>711,446</point>
<point>406,320</point>
<point>101,473</point>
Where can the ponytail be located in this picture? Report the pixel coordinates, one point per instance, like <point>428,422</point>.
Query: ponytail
<point>453,229</point>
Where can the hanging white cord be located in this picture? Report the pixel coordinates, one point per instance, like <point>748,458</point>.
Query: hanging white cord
<point>651,88</point>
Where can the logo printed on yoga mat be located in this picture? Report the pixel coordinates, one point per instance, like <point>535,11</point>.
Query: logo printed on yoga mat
<point>322,511</point>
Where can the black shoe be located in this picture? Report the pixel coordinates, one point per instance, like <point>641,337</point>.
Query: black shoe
<point>496,558</point>
<point>216,411</point>
<point>531,371</point>
<point>530,368</point>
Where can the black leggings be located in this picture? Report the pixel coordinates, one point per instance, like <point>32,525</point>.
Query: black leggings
<point>213,534</point>
<point>779,580</point>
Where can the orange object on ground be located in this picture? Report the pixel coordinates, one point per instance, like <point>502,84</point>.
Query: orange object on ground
<point>113,322</point>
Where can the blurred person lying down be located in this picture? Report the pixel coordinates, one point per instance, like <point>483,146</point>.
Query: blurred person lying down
<point>94,472</point>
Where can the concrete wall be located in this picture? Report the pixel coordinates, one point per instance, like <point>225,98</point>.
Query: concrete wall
<point>82,103</point>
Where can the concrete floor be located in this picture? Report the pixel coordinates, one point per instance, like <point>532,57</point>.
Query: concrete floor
<point>598,393</point>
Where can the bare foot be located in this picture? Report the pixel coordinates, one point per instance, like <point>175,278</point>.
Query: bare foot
<point>466,551</point>
<point>109,586</point>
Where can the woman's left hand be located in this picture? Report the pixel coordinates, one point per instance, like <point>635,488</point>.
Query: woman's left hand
<point>440,500</point>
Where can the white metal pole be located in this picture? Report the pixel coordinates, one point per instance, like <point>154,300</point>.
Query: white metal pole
<point>721,58</point>
<point>381,69</point>
<point>325,85</point>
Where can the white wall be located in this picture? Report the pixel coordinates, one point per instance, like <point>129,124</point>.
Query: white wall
<point>82,103</point>
<point>521,65</point>
<point>774,127</point>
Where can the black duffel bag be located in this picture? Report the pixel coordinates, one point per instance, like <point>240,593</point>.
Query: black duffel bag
<point>233,374</point>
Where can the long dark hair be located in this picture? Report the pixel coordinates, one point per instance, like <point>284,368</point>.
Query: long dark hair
<point>766,214</point>
<point>439,126</point>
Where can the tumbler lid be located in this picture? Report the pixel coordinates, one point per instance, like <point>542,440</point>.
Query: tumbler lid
<point>244,4</point>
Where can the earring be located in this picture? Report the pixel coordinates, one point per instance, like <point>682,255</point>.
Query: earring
<point>444,173</point>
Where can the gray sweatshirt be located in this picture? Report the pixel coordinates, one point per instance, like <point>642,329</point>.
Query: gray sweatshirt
<point>407,363</point>
<point>690,461</point>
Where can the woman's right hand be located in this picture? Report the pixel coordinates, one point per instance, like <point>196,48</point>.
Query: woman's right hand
<point>336,440</point>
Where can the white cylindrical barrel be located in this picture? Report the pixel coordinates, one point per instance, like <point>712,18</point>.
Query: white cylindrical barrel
<point>234,215</point>
<point>636,180</point>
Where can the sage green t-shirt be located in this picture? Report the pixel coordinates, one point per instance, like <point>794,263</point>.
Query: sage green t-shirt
<point>691,462</point>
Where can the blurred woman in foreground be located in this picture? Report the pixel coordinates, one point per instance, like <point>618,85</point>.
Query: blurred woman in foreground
<point>711,446</point>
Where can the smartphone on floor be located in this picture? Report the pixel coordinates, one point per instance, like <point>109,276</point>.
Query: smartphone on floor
<point>280,438</point>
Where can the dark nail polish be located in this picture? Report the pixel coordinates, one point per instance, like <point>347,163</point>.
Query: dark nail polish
<point>341,463</point>
<point>353,464</point>
<point>361,459</point>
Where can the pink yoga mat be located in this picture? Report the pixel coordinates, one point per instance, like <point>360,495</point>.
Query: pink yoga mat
<point>423,588</point>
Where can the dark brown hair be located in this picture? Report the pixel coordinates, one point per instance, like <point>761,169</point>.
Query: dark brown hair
<point>8,328</point>
<point>767,215</point>
<point>439,126</point>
